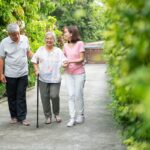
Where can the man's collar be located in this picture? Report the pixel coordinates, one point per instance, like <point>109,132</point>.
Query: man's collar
<point>11,41</point>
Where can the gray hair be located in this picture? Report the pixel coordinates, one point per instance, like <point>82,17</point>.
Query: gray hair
<point>13,27</point>
<point>51,34</point>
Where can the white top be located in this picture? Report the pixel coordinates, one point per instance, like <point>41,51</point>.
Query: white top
<point>15,55</point>
<point>49,64</point>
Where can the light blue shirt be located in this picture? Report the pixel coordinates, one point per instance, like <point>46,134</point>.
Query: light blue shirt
<point>49,64</point>
<point>15,56</point>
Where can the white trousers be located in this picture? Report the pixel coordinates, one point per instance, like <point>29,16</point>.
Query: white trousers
<point>75,86</point>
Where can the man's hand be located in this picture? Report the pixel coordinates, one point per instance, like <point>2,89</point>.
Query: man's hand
<point>3,79</point>
<point>30,54</point>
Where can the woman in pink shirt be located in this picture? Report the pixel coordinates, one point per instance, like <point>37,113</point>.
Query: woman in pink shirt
<point>75,74</point>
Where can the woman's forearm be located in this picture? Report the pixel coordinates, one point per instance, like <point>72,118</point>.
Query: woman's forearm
<point>79,60</point>
<point>36,68</point>
<point>76,61</point>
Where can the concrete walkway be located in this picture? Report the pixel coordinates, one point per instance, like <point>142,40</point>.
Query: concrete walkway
<point>99,131</point>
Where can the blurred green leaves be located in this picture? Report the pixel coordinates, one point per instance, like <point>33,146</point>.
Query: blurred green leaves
<point>127,49</point>
<point>35,15</point>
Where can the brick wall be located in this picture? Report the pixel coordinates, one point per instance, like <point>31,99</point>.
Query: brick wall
<point>94,55</point>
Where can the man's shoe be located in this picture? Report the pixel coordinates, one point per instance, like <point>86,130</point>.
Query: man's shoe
<point>25,122</point>
<point>48,120</point>
<point>71,123</point>
<point>13,121</point>
<point>80,119</point>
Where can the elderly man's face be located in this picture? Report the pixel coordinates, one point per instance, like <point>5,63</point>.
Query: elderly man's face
<point>15,36</point>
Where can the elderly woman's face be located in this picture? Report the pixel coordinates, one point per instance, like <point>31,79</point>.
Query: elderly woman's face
<point>49,40</point>
<point>15,36</point>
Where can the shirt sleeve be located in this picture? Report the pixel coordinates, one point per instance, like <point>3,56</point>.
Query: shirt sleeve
<point>81,46</point>
<point>63,57</point>
<point>35,57</point>
<point>64,49</point>
<point>2,51</point>
<point>27,41</point>
<point>28,44</point>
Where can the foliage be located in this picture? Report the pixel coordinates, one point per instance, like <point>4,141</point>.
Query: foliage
<point>38,16</point>
<point>88,16</point>
<point>34,20</point>
<point>127,51</point>
<point>2,90</point>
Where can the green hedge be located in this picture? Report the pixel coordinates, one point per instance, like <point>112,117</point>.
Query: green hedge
<point>35,16</point>
<point>128,54</point>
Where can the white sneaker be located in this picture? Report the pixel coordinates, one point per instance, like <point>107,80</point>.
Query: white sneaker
<point>80,119</point>
<point>71,123</point>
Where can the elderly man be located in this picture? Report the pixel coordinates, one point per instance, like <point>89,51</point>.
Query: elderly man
<point>14,51</point>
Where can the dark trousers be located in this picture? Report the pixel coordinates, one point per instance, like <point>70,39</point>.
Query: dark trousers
<point>50,93</point>
<point>16,92</point>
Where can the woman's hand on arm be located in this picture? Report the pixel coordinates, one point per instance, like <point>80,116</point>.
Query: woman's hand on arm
<point>65,64</point>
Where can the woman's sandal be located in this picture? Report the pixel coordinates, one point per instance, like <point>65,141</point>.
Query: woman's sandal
<point>48,120</point>
<point>58,119</point>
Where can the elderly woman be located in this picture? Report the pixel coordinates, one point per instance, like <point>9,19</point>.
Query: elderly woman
<point>47,63</point>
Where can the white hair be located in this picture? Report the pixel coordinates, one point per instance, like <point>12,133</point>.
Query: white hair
<point>51,34</point>
<point>13,27</point>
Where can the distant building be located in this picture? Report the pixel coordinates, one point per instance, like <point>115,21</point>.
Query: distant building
<point>93,52</point>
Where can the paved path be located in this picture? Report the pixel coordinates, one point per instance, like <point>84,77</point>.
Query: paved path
<point>97,133</point>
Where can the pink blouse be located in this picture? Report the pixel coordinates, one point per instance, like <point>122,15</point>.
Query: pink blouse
<point>73,53</point>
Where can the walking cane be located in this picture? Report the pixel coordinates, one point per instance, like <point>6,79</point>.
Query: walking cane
<point>37,121</point>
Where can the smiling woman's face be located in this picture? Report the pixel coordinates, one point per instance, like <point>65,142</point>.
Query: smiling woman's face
<point>67,34</point>
<point>49,40</point>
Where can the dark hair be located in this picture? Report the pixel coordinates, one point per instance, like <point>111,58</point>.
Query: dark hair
<point>75,33</point>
